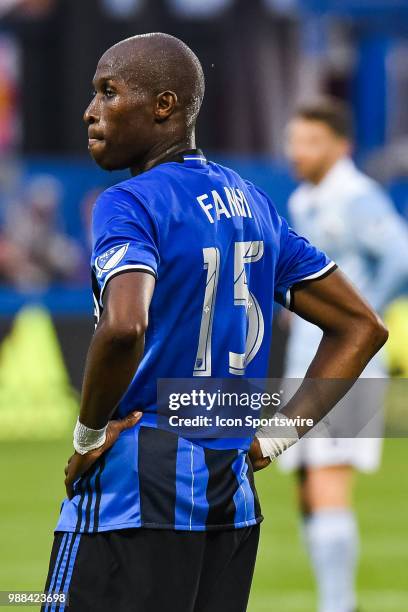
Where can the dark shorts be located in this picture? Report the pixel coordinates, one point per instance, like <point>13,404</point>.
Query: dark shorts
<point>147,570</point>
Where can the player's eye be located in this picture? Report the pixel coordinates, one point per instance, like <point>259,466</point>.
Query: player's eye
<point>109,92</point>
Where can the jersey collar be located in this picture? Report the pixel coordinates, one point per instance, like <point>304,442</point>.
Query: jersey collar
<point>194,155</point>
<point>190,157</point>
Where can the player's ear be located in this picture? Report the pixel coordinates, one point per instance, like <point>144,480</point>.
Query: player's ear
<point>166,102</point>
<point>344,146</point>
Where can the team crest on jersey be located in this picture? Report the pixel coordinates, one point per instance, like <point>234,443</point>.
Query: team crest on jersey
<point>110,259</point>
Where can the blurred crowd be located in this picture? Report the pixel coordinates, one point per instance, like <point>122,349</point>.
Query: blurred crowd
<point>260,59</point>
<point>126,8</point>
<point>35,252</point>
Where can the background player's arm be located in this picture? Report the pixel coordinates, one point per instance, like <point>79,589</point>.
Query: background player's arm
<point>352,332</point>
<point>117,346</point>
<point>382,235</point>
<point>352,335</point>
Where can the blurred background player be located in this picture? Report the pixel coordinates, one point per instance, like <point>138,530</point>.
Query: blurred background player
<point>348,215</point>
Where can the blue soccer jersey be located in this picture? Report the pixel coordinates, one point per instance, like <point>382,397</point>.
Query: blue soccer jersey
<point>221,256</point>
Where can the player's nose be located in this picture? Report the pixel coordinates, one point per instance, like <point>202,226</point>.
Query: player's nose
<point>91,114</point>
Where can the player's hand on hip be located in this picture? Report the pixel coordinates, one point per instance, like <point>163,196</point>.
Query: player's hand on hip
<point>79,464</point>
<point>259,462</point>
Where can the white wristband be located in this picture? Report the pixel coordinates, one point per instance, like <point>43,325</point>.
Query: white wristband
<point>271,443</point>
<point>87,439</point>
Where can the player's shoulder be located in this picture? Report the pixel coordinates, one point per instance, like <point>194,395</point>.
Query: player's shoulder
<point>123,200</point>
<point>367,198</point>
<point>136,186</point>
<point>232,176</point>
<point>224,170</point>
<point>299,195</point>
<point>256,192</point>
<point>362,184</point>
<point>134,191</point>
<point>113,200</point>
<point>345,185</point>
<point>264,202</point>
<point>356,185</point>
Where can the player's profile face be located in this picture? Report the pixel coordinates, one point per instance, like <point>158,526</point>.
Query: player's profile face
<point>312,147</point>
<point>118,120</point>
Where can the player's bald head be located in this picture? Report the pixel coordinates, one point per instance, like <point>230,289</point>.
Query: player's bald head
<point>148,92</point>
<point>155,63</point>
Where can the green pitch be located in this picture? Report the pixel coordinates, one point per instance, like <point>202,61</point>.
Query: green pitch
<point>31,484</point>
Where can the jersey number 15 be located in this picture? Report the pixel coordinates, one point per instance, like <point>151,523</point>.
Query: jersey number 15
<point>244,253</point>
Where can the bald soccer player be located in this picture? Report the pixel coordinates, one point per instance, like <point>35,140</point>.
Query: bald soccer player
<point>187,260</point>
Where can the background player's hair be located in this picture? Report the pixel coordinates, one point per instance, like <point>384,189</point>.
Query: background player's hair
<point>335,113</point>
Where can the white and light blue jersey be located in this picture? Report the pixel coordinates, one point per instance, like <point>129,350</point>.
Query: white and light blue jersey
<point>350,217</point>
<point>221,255</point>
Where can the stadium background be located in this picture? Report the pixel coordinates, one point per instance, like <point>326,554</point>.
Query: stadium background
<point>260,58</point>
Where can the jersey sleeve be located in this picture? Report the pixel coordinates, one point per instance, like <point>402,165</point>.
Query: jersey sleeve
<point>299,262</point>
<point>377,226</point>
<point>382,236</point>
<point>124,237</point>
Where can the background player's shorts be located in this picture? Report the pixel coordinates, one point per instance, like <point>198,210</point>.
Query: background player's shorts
<point>153,570</point>
<point>364,454</point>
<point>360,414</point>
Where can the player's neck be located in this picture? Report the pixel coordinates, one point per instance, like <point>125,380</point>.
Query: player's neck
<point>324,171</point>
<point>161,154</point>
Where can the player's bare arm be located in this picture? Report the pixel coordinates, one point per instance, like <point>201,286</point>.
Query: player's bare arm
<point>113,357</point>
<point>352,334</point>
